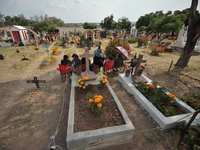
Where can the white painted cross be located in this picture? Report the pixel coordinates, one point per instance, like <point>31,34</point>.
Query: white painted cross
<point>87,73</point>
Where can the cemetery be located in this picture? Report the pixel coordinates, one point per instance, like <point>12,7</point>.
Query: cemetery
<point>126,118</point>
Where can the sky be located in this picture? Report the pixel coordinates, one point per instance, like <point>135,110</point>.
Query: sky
<point>81,11</point>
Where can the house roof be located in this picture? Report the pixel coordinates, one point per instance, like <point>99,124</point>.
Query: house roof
<point>2,28</point>
<point>18,27</point>
<point>33,31</point>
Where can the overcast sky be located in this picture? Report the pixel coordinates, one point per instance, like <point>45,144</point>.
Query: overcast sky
<point>80,11</point>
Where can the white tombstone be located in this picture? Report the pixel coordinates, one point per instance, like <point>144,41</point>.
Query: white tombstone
<point>134,31</point>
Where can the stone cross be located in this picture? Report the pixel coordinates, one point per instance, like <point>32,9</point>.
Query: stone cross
<point>87,73</point>
<point>138,62</point>
<point>36,81</point>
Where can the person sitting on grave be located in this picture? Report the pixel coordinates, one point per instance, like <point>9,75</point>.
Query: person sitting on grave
<point>119,62</point>
<point>76,62</point>
<point>98,58</point>
<point>65,60</point>
<point>108,64</point>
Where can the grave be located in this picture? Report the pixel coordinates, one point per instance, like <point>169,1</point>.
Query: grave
<point>36,81</point>
<point>136,62</point>
<point>87,73</point>
<point>24,58</point>
<point>101,137</point>
<point>164,122</point>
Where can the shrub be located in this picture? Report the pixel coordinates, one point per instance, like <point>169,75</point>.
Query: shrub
<point>132,40</point>
<point>111,49</point>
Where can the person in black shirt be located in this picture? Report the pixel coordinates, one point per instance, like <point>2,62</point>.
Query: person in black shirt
<point>65,60</point>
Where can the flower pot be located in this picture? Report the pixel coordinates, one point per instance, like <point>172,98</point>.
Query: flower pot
<point>127,73</point>
<point>96,70</point>
<point>78,71</point>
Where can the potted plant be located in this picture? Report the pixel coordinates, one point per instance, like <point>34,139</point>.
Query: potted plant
<point>141,70</point>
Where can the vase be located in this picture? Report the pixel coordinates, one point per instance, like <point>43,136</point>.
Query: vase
<point>78,71</point>
<point>96,70</point>
<point>139,73</point>
<point>127,73</point>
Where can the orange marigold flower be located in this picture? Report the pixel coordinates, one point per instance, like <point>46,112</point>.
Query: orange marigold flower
<point>90,100</point>
<point>171,95</point>
<point>84,87</point>
<point>106,81</point>
<point>105,76</point>
<point>80,86</point>
<point>33,92</point>
<point>99,105</point>
<point>97,100</point>
<point>81,82</point>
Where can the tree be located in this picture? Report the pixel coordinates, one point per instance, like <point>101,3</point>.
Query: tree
<point>193,35</point>
<point>89,25</point>
<point>41,26</point>
<point>124,23</point>
<point>108,23</point>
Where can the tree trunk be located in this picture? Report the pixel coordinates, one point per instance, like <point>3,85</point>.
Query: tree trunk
<point>191,37</point>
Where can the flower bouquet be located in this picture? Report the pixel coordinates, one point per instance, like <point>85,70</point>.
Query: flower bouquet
<point>82,82</point>
<point>96,104</point>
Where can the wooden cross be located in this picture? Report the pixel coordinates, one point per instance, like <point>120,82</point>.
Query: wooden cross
<point>138,62</point>
<point>87,73</point>
<point>24,58</point>
<point>36,81</point>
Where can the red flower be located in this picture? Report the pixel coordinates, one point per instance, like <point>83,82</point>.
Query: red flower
<point>143,88</point>
<point>161,103</point>
<point>181,110</point>
<point>197,100</point>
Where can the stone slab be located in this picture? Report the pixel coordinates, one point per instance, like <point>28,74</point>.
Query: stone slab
<point>119,134</point>
<point>164,122</point>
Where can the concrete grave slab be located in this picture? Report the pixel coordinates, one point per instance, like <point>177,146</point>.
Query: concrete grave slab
<point>164,122</point>
<point>119,134</point>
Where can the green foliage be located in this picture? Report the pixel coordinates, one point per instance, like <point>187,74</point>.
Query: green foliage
<point>124,23</point>
<point>108,23</point>
<point>165,103</point>
<point>156,49</point>
<point>41,26</point>
<point>111,49</point>
<point>89,25</point>
<point>192,99</point>
<point>132,40</point>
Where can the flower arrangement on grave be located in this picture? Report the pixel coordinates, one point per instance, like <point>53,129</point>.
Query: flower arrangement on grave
<point>156,49</point>
<point>46,61</point>
<point>82,82</point>
<point>55,51</point>
<point>95,104</point>
<point>103,81</point>
<point>165,103</point>
<point>141,69</point>
<point>111,49</point>
<point>169,48</point>
<point>143,40</point>
<point>127,70</point>
<point>191,99</point>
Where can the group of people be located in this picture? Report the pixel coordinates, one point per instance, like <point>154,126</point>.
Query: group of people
<point>98,60</point>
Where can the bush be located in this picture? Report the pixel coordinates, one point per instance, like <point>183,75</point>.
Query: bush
<point>143,40</point>
<point>111,49</point>
<point>132,40</point>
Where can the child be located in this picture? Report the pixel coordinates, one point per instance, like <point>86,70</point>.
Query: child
<point>109,64</point>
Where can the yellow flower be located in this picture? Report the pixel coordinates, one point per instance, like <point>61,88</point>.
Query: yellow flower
<point>82,82</point>
<point>90,100</point>
<point>84,87</point>
<point>101,97</point>
<point>79,80</point>
<point>97,100</point>
<point>106,81</point>
<point>96,96</point>
<point>85,78</point>
<point>80,86</point>
<point>105,76</point>
<point>152,86</point>
<point>101,79</point>
<point>99,105</point>
<point>171,95</point>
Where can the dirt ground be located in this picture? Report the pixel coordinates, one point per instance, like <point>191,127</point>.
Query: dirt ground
<point>27,120</point>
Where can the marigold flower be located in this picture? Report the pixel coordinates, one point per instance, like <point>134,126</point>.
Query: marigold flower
<point>79,85</point>
<point>96,96</point>
<point>100,96</point>
<point>33,92</point>
<point>90,100</point>
<point>97,100</point>
<point>106,81</point>
<point>81,82</point>
<point>105,76</point>
<point>171,95</point>
<point>85,78</point>
<point>84,87</point>
<point>101,79</point>
<point>99,105</point>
